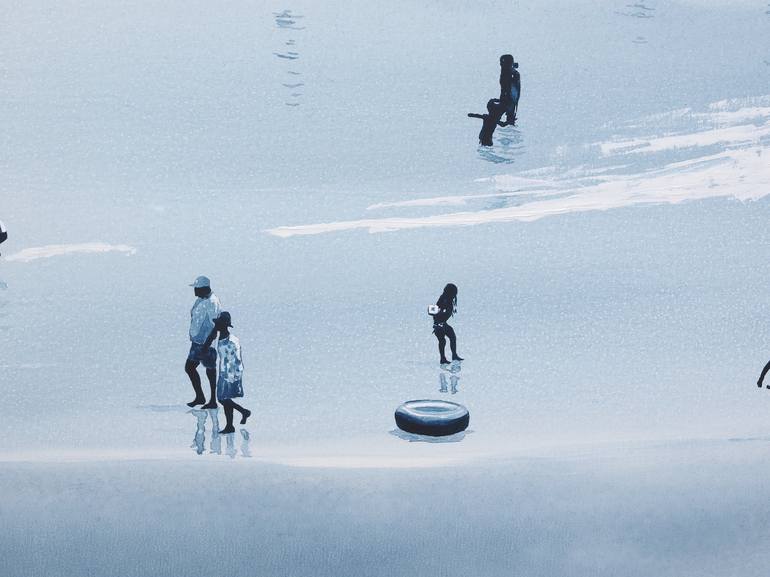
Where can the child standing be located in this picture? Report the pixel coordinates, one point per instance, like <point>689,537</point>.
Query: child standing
<point>229,385</point>
<point>495,111</point>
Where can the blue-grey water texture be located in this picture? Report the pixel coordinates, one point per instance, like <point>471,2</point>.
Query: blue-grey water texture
<point>187,130</point>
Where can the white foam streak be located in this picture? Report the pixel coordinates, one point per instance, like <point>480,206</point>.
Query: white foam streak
<point>445,200</point>
<point>730,136</point>
<point>740,169</point>
<point>742,174</point>
<point>51,250</point>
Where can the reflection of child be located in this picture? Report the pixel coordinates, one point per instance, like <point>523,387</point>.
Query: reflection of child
<point>229,384</point>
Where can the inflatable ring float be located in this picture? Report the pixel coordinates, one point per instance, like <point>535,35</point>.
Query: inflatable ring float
<point>434,418</point>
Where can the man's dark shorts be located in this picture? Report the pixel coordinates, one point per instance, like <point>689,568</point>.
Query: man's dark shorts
<point>206,357</point>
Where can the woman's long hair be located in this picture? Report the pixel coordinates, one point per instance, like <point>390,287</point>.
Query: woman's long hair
<point>450,295</point>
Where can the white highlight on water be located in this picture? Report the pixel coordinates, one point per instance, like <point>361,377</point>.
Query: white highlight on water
<point>735,164</point>
<point>51,250</point>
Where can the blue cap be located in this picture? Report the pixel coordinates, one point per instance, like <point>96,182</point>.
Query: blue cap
<point>224,319</point>
<point>201,282</point>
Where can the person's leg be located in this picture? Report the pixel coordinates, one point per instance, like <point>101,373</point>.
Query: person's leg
<point>510,116</point>
<point>191,368</point>
<point>762,376</point>
<point>212,376</point>
<point>450,332</point>
<point>228,406</point>
<point>245,413</point>
<point>441,344</point>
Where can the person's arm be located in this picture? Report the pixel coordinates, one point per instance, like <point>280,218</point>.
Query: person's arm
<point>474,115</point>
<point>213,310</point>
<point>517,83</point>
<point>210,338</point>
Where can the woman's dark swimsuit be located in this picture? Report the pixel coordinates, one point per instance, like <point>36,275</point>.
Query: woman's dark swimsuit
<point>442,329</point>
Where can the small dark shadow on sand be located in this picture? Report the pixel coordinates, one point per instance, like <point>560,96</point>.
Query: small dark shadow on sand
<point>412,438</point>
<point>163,408</point>
<point>748,439</point>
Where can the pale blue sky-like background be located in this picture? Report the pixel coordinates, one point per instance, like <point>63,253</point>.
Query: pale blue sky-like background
<point>169,128</point>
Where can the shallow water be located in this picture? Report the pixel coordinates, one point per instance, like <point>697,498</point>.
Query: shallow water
<point>610,287</point>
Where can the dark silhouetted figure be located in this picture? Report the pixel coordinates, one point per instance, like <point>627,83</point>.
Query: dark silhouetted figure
<point>3,233</point>
<point>447,306</point>
<point>761,380</point>
<point>510,87</point>
<point>202,333</point>
<point>495,111</point>
<point>230,382</point>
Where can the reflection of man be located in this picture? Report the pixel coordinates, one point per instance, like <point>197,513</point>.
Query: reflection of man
<point>200,431</point>
<point>3,233</point>
<point>199,441</point>
<point>205,309</point>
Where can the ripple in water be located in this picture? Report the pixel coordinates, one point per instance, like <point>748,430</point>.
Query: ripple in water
<point>637,10</point>
<point>215,438</point>
<point>287,21</point>
<point>508,145</point>
<point>412,438</point>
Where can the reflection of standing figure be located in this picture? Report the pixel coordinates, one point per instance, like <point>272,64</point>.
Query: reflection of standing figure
<point>447,306</point>
<point>216,438</point>
<point>245,450</point>
<point>199,441</point>
<point>200,431</point>
<point>510,87</point>
<point>444,387</point>
<point>230,447</point>
<point>229,385</point>
<point>453,382</point>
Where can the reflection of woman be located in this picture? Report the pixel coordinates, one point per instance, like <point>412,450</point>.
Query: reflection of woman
<point>447,306</point>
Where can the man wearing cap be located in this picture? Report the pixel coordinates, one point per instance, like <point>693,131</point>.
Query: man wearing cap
<point>204,311</point>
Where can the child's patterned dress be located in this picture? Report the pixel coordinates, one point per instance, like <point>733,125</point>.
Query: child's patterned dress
<point>230,368</point>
